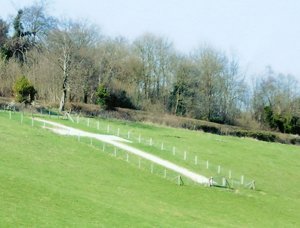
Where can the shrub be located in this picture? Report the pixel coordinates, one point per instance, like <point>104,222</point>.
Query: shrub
<point>24,90</point>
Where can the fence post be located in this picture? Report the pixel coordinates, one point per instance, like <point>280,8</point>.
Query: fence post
<point>223,182</point>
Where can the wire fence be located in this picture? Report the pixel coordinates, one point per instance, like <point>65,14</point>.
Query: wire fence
<point>192,161</point>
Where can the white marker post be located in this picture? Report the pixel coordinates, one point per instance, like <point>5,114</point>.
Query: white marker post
<point>196,160</point>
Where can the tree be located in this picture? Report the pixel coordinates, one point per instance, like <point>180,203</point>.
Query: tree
<point>156,73</point>
<point>24,90</point>
<point>183,92</point>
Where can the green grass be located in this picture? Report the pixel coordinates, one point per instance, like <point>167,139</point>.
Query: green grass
<point>50,180</point>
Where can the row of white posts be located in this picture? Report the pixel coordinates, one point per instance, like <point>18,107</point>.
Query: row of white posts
<point>108,129</point>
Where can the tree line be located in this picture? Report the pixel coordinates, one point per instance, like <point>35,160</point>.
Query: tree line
<point>72,61</point>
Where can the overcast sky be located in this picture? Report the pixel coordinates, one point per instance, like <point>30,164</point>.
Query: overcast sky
<point>259,32</point>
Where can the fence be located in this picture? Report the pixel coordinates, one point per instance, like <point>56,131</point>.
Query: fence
<point>194,162</point>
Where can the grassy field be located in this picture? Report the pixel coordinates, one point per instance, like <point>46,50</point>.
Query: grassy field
<point>51,180</point>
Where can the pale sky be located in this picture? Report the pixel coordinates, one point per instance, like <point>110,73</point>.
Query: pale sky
<point>259,32</point>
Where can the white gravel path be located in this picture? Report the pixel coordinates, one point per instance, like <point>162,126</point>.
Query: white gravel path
<point>119,142</point>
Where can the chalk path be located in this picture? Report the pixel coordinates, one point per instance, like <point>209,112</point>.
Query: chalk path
<point>119,142</point>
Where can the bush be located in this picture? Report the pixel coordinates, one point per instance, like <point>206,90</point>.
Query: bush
<point>24,90</point>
